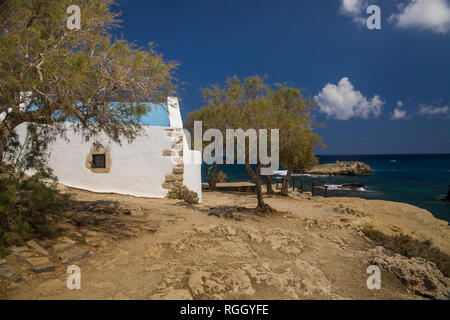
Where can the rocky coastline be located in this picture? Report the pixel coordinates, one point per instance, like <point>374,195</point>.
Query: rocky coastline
<point>341,168</point>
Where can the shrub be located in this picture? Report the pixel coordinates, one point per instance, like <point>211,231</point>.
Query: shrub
<point>221,177</point>
<point>181,192</point>
<point>409,247</point>
<point>28,206</point>
<point>30,202</point>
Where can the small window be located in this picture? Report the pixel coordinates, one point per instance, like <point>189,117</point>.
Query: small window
<point>98,161</point>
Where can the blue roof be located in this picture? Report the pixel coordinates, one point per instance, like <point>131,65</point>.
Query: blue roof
<point>157,116</point>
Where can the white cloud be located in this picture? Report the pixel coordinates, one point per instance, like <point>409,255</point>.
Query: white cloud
<point>398,114</point>
<point>430,110</point>
<point>353,9</point>
<point>343,102</point>
<point>424,14</point>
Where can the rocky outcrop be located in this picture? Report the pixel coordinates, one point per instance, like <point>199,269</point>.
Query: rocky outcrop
<point>421,276</point>
<point>447,198</point>
<point>345,168</point>
<point>353,186</point>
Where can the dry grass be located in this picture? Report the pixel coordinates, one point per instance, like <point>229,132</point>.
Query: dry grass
<point>409,247</point>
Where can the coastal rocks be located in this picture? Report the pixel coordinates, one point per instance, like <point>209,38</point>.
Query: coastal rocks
<point>447,198</point>
<point>346,168</point>
<point>352,186</point>
<point>420,275</point>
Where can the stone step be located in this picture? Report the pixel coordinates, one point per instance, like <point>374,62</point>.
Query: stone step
<point>168,153</point>
<point>9,273</point>
<point>177,170</point>
<point>72,254</point>
<point>22,252</point>
<point>40,265</point>
<point>173,178</point>
<point>15,249</point>
<point>33,244</point>
<point>94,241</point>
<point>63,244</point>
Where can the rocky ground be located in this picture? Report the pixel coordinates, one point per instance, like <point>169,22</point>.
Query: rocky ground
<point>341,168</point>
<point>136,248</point>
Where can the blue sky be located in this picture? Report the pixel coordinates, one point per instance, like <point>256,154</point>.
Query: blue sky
<point>358,76</point>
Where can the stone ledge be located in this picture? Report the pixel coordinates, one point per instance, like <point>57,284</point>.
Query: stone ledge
<point>177,170</point>
<point>40,265</point>
<point>174,177</point>
<point>168,153</point>
<point>33,244</point>
<point>166,185</point>
<point>73,255</point>
<point>9,273</point>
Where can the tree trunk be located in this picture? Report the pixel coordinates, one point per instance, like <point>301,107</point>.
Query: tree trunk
<point>262,206</point>
<point>285,185</point>
<point>208,176</point>
<point>211,176</point>
<point>215,174</point>
<point>269,184</point>
<point>7,127</point>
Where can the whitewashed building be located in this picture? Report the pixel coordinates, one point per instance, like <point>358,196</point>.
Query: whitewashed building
<point>146,167</point>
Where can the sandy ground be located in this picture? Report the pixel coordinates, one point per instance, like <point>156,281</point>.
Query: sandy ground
<point>310,249</point>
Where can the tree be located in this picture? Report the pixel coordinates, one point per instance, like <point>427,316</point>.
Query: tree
<point>251,104</point>
<point>295,115</point>
<point>50,74</point>
<point>243,105</point>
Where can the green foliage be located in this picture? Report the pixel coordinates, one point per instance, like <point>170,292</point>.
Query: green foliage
<point>28,206</point>
<point>252,104</point>
<point>409,247</point>
<point>181,192</point>
<point>50,74</point>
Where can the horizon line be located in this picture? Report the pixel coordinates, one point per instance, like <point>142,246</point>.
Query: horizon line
<point>382,154</point>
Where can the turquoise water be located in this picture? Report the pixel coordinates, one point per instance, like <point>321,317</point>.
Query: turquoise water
<point>421,180</point>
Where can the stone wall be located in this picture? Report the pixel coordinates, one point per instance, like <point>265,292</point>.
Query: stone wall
<point>175,153</point>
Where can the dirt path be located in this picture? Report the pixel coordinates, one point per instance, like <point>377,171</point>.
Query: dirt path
<point>303,252</point>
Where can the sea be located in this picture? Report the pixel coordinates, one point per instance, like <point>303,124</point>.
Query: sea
<point>422,180</point>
